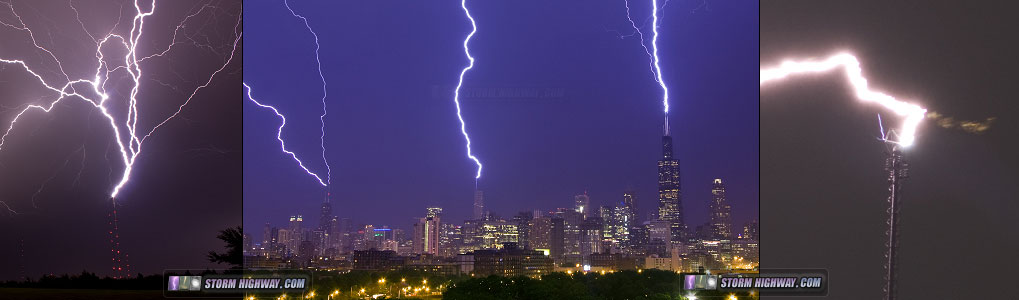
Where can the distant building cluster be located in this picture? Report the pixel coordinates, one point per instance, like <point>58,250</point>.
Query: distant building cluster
<point>581,238</point>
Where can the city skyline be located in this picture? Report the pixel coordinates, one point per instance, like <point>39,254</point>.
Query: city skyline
<point>564,240</point>
<point>580,114</point>
<point>610,237</point>
<point>623,198</point>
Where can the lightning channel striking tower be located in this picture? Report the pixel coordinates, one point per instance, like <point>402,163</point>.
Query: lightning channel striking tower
<point>670,207</point>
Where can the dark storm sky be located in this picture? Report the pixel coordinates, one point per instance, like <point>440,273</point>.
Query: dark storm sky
<point>393,137</point>
<point>186,184</point>
<point>823,186</point>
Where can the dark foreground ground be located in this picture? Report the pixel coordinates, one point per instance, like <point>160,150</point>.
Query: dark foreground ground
<point>79,294</point>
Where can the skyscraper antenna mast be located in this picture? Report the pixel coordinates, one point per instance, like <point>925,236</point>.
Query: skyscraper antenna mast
<point>667,124</point>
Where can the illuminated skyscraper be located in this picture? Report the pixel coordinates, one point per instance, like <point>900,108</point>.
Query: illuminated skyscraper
<point>626,217</point>
<point>582,204</point>
<point>523,222</point>
<point>572,221</point>
<point>450,239</point>
<point>284,238</point>
<point>621,219</point>
<point>539,232</point>
<point>325,226</point>
<point>721,219</point>
<point>608,221</point>
<point>751,231</point>
<point>267,235</point>
<point>295,233</point>
<point>326,215</point>
<point>479,205</point>
<point>590,237</point>
<point>496,231</point>
<point>427,232</point>
<point>670,206</point>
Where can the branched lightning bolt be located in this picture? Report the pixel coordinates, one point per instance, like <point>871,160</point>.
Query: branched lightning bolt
<point>131,64</point>
<point>325,93</point>
<point>652,54</point>
<point>279,135</point>
<point>640,34</point>
<point>456,93</point>
<point>913,113</point>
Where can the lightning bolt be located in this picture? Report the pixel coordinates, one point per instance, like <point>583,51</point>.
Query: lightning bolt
<point>912,113</point>
<point>126,132</point>
<point>652,54</point>
<point>279,135</point>
<point>640,34</point>
<point>456,93</point>
<point>654,45</point>
<point>325,93</point>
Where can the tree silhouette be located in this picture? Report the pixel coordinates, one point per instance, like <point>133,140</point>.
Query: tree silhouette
<point>233,256</point>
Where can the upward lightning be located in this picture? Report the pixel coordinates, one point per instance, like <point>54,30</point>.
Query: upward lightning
<point>912,113</point>
<point>128,139</point>
<point>456,93</point>
<point>325,93</point>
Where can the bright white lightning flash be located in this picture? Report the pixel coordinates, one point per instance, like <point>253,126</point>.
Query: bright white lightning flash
<point>279,135</point>
<point>652,54</point>
<point>913,113</point>
<point>456,93</point>
<point>640,34</point>
<point>322,118</point>
<point>131,65</point>
<point>654,45</point>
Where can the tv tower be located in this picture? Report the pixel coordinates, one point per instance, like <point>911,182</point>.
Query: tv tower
<point>898,170</point>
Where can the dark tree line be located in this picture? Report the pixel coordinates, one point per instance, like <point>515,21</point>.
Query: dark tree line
<point>87,280</point>
<point>647,284</point>
<point>232,237</point>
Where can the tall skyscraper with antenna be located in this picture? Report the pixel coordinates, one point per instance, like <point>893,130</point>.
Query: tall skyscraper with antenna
<point>326,217</point>
<point>721,211</point>
<point>670,207</point>
<point>479,205</point>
